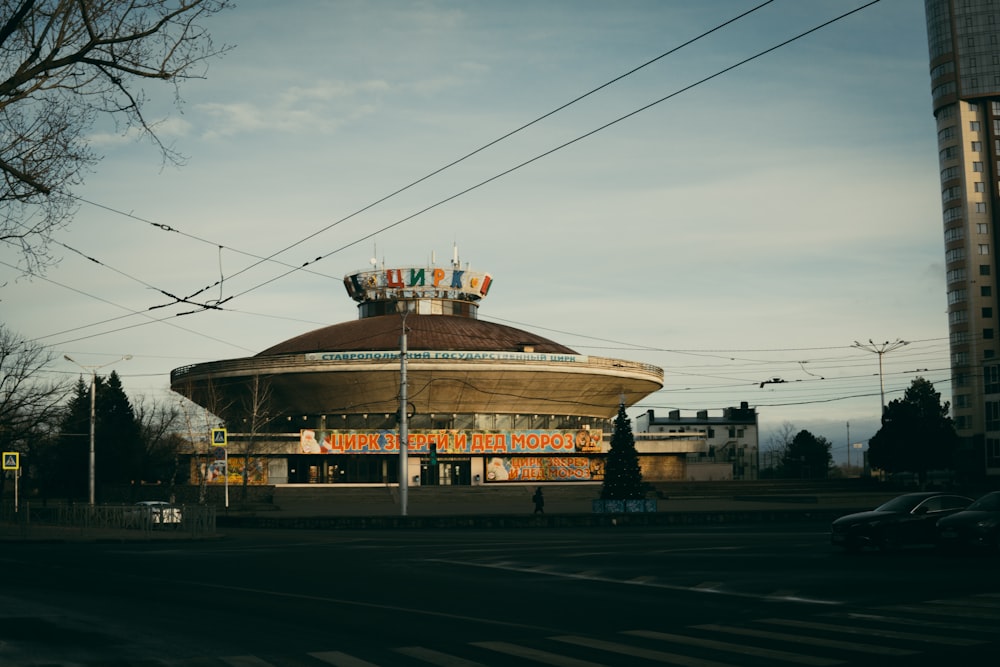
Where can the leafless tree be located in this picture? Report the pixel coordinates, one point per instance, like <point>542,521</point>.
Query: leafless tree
<point>65,63</point>
<point>158,426</point>
<point>29,404</point>
<point>199,422</point>
<point>777,447</point>
<point>257,410</point>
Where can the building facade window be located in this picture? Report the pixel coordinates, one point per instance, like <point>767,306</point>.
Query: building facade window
<point>982,228</point>
<point>977,147</point>
<point>954,234</point>
<point>984,248</point>
<point>992,415</point>
<point>955,255</point>
<point>980,207</point>
<point>991,379</point>
<point>956,275</point>
<point>954,192</point>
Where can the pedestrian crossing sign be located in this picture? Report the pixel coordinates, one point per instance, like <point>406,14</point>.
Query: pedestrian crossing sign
<point>219,437</point>
<point>11,460</point>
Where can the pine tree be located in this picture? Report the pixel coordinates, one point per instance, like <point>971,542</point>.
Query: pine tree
<point>622,476</point>
<point>917,434</point>
<point>65,473</point>
<point>119,443</point>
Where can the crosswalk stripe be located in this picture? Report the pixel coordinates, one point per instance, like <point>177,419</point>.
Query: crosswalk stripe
<point>436,657</point>
<point>638,652</point>
<point>918,622</point>
<point>969,602</point>
<point>340,659</point>
<point>742,649</point>
<point>245,661</point>
<point>957,612</point>
<point>536,655</point>
<point>873,632</point>
<point>813,641</point>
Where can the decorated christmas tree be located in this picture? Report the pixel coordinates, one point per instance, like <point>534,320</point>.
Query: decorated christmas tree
<point>622,477</point>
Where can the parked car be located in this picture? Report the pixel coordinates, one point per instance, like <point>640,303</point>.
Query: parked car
<point>158,512</point>
<point>977,526</point>
<point>908,519</point>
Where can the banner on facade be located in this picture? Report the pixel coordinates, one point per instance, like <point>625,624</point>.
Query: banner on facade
<point>544,469</point>
<point>459,442</point>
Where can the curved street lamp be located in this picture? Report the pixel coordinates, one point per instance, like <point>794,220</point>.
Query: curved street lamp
<point>93,412</point>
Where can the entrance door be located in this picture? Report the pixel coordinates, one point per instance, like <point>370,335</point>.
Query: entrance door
<point>446,473</point>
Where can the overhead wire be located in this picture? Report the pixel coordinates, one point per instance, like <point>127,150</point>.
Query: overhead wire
<point>559,147</point>
<point>504,173</point>
<point>222,278</point>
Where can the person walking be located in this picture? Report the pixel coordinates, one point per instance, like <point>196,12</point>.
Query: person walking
<point>539,500</point>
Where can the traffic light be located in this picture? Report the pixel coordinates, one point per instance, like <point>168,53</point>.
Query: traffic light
<point>434,454</point>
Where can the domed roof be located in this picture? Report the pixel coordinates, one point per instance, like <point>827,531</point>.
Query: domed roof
<point>423,332</point>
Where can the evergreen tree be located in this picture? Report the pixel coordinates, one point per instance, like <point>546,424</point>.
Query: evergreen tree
<point>65,472</point>
<point>622,476</point>
<point>118,451</point>
<point>119,442</point>
<point>807,457</point>
<point>917,434</point>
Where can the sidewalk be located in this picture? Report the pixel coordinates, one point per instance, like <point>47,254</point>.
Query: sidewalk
<point>469,507</point>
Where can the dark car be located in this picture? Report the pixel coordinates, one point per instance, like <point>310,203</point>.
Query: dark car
<point>908,519</point>
<point>977,526</point>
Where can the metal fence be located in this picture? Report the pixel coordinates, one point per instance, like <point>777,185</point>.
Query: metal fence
<point>189,520</point>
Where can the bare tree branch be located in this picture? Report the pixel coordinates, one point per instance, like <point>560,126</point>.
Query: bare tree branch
<point>65,63</point>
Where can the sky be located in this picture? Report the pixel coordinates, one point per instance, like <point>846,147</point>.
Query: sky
<point>741,226</point>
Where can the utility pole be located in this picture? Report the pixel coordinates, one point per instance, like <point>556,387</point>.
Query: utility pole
<point>404,435</point>
<point>881,349</point>
<point>93,416</point>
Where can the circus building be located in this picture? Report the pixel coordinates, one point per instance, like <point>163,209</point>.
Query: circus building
<point>478,402</point>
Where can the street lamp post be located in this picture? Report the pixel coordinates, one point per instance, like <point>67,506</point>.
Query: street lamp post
<point>93,414</point>
<point>881,349</point>
<point>404,434</point>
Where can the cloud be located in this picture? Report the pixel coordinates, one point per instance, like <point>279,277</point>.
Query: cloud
<point>320,108</point>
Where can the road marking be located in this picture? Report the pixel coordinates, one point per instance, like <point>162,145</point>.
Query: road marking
<point>919,622</point>
<point>742,649</point>
<point>536,655</point>
<point>436,657</point>
<point>340,659</point>
<point>957,612</point>
<point>638,581</point>
<point>812,641</point>
<point>872,632</point>
<point>969,602</point>
<point>245,661</point>
<point>359,603</point>
<point>638,652</point>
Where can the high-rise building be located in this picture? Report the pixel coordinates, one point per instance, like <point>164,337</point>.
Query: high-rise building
<point>964,46</point>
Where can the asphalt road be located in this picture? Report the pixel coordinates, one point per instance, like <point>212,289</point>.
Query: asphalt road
<point>700,597</point>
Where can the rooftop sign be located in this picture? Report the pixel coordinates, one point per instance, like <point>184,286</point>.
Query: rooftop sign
<point>432,282</point>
